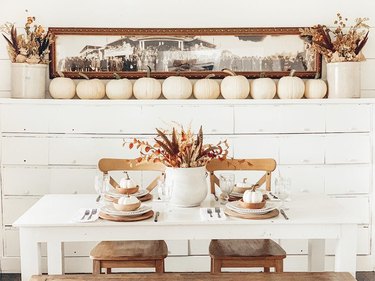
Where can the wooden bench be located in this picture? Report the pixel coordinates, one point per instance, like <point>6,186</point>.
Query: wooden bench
<point>285,276</point>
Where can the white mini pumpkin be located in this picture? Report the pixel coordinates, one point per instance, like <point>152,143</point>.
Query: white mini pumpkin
<point>127,182</point>
<point>290,87</point>
<point>315,89</point>
<point>177,87</point>
<point>263,88</point>
<point>91,89</point>
<point>119,88</point>
<point>253,196</point>
<point>234,86</point>
<point>62,88</point>
<point>206,88</point>
<point>147,87</point>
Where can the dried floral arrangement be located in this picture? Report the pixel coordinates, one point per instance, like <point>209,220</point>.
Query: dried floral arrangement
<point>179,149</point>
<point>340,44</point>
<point>31,47</point>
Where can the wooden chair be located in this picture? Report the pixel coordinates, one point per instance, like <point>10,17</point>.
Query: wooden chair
<point>245,252</point>
<point>129,254</point>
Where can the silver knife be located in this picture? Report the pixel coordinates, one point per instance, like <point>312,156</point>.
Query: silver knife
<point>273,195</point>
<point>283,213</point>
<point>156,216</point>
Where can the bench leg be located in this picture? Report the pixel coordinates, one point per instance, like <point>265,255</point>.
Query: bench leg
<point>96,267</point>
<point>266,269</point>
<point>108,270</point>
<point>215,265</point>
<point>279,266</point>
<point>159,266</point>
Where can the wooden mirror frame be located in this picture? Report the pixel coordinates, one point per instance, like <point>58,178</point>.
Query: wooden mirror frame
<point>182,36</point>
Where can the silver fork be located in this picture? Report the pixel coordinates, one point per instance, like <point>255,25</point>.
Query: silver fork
<point>93,212</point>
<point>87,212</point>
<point>209,211</point>
<point>217,210</point>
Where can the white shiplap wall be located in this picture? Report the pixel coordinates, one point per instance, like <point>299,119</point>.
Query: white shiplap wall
<point>193,13</point>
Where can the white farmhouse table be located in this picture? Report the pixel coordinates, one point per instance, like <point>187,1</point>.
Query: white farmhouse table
<point>312,217</point>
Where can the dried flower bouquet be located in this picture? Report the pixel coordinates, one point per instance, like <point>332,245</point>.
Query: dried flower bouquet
<point>180,149</point>
<point>341,44</point>
<point>31,47</point>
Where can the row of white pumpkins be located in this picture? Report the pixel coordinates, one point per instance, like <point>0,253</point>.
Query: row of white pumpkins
<point>179,87</point>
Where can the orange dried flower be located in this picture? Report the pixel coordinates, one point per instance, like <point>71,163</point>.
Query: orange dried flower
<point>338,44</point>
<point>180,148</point>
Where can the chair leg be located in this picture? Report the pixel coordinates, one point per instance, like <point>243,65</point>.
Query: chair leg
<point>215,265</point>
<point>159,266</point>
<point>96,267</point>
<point>266,269</point>
<point>108,270</point>
<point>279,266</point>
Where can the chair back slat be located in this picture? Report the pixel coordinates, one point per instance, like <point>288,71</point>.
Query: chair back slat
<point>268,165</point>
<point>106,165</point>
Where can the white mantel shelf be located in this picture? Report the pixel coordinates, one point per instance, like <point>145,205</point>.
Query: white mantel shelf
<point>187,101</point>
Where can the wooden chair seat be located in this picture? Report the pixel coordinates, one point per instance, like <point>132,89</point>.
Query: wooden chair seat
<point>125,254</point>
<point>246,253</point>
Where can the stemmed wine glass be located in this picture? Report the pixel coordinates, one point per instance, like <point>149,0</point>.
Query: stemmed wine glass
<point>226,186</point>
<point>101,183</point>
<point>282,189</point>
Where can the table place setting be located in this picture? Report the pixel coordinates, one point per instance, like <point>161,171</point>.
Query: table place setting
<point>212,214</point>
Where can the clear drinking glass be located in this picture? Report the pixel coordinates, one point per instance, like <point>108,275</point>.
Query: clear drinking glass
<point>101,183</point>
<point>282,189</point>
<point>226,186</point>
<point>164,191</point>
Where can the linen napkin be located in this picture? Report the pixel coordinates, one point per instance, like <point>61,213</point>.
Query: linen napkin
<point>215,216</point>
<point>86,215</point>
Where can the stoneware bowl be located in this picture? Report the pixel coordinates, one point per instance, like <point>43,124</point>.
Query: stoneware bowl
<point>127,207</point>
<point>252,205</point>
<point>127,190</point>
<point>241,189</point>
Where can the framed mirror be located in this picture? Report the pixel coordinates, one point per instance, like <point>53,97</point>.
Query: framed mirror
<point>190,52</point>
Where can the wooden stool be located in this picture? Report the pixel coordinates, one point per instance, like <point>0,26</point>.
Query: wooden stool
<point>125,254</point>
<point>246,253</point>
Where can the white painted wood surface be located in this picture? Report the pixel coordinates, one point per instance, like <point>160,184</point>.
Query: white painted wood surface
<point>58,153</point>
<point>50,221</point>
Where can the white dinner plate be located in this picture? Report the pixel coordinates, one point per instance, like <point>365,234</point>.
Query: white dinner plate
<point>235,206</point>
<point>110,210</point>
<point>114,193</point>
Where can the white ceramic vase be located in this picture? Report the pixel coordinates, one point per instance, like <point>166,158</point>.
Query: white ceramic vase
<point>344,79</point>
<point>189,186</point>
<point>28,81</point>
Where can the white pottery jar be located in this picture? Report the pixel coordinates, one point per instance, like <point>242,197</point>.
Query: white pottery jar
<point>28,81</point>
<point>189,186</point>
<point>344,79</point>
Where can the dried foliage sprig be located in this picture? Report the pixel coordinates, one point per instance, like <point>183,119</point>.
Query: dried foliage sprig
<point>31,47</point>
<point>340,44</point>
<point>179,148</point>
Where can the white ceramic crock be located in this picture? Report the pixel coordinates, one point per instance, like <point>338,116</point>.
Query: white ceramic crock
<point>28,81</point>
<point>189,186</point>
<point>344,79</point>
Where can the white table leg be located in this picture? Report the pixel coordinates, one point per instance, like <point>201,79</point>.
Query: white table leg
<point>346,249</point>
<point>55,257</point>
<point>30,254</point>
<point>316,255</point>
